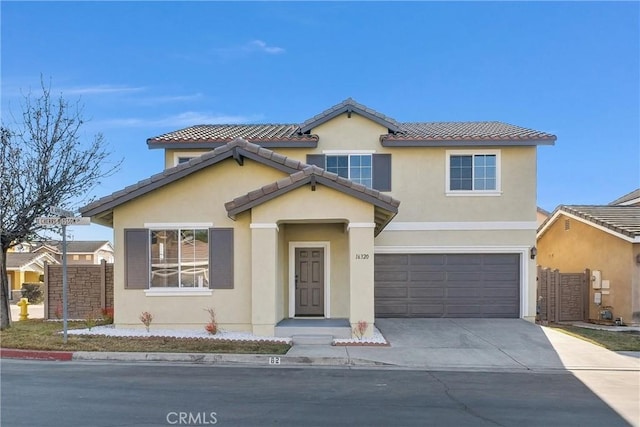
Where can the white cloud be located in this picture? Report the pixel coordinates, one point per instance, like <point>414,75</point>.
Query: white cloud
<point>259,45</point>
<point>153,100</point>
<point>100,89</point>
<point>185,119</point>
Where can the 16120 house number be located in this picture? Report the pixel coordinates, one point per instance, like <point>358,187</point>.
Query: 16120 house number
<point>362,256</point>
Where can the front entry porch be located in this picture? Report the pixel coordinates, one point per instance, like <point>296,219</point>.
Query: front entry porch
<point>313,331</point>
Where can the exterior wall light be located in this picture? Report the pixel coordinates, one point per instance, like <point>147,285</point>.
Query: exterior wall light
<point>533,252</point>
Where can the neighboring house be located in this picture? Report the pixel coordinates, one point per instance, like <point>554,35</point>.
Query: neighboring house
<point>78,251</point>
<point>348,215</point>
<point>25,267</point>
<point>541,215</point>
<point>629,199</point>
<point>604,239</point>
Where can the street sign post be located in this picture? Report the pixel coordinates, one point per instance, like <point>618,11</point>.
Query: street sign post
<point>63,219</point>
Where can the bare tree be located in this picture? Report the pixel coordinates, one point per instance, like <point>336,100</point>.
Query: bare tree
<point>44,162</point>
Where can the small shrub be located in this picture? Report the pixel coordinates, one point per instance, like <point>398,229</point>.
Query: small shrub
<point>90,320</point>
<point>33,292</point>
<point>212,326</point>
<point>360,329</point>
<point>146,318</point>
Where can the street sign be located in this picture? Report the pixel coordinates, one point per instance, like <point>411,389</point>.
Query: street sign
<point>60,212</point>
<point>76,220</point>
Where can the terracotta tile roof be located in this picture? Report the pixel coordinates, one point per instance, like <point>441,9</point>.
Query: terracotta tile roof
<point>386,206</point>
<point>226,133</point>
<point>465,131</point>
<point>399,133</point>
<point>624,220</point>
<point>629,198</point>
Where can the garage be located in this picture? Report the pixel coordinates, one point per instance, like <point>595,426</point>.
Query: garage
<point>447,285</point>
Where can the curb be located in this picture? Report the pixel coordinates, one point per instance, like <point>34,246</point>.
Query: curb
<point>197,358</point>
<point>9,353</point>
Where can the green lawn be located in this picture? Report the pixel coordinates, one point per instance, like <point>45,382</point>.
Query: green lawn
<point>44,335</point>
<point>616,341</point>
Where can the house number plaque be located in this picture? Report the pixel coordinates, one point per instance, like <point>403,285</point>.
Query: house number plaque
<point>362,256</point>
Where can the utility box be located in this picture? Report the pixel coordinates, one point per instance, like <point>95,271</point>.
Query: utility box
<point>606,284</point>
<point>597,298</point>
<point>596,279</point>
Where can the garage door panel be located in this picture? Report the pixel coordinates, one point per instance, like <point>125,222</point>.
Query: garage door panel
<point>426,292</point>
<point>426,310</point>
<point>392,292</point>
<point>430,259</point>
<point>392,276</point>
<point>418,276</point>
<point>447,285</point>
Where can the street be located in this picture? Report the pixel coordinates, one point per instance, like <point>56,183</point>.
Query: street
<point>37,393</point>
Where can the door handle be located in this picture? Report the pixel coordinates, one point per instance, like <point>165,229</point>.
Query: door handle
<point>296,279</point>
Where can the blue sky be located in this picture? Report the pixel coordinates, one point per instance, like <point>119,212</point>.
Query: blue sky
<point>145,68</point>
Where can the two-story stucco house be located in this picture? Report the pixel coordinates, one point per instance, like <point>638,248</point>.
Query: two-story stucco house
<point>350,215</point>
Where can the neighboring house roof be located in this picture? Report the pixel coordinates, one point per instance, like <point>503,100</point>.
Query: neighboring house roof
<point>28,261</point>
<point>622,221</point>
<point>400,134</point>
<point>386,206</point>
<point>543,211</point>
<point>75,246</point>
<point>239,149</point>
<point>632,198</point>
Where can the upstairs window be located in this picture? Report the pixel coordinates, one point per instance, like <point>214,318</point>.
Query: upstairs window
<point>473,172</point>
<point>370,169</point>
<point>355,167</point>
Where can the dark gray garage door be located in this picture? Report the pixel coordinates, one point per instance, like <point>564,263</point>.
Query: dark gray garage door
<point>447,285</point>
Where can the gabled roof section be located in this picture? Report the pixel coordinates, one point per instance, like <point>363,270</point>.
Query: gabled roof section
<point>25,260</point>
<point>464,133</point>
<point>629,199</point>
<point>621,221</point>
<point>238,149</point>
<point>74,246</point>
<point>213,136</point>
<point>418,134</point>
<point>349,106</point>
<point>386,207</point>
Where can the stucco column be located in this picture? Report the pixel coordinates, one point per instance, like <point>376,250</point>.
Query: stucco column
<point>264,253</point>
<point>361,275</point>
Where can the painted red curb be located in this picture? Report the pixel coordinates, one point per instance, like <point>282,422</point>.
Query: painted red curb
<point>11,353</point>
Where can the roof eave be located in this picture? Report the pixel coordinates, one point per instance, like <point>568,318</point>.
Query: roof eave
<point>426,142</point>
<point>206,144</point>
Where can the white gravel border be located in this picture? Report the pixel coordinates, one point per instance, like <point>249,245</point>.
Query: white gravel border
<point>110,331</point>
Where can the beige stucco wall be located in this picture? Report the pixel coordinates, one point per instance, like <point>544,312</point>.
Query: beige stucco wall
<point>583,246</point>
<point>198,198</point>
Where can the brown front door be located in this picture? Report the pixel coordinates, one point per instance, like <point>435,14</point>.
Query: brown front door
<point>309,281</point>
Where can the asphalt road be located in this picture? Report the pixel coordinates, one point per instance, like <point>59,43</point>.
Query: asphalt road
<point>37,393</point>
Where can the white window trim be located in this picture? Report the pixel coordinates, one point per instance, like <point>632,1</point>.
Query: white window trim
<point>496,192</point>
<point>350,153</point>
<point>343,152</point>
<point>178,292</point>
<point>292,274</point>
<point>175,291</point>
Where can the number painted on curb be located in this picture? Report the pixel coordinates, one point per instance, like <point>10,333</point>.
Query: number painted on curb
<point>274,360</point>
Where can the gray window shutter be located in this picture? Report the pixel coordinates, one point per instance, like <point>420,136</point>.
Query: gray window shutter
<point>136,258</point>
<point>316,159</point>
<point>381,172</point>
<point>221,258</point>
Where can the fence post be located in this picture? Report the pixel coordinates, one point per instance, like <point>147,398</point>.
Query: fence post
<point>586,302</point>
<point>46,291</point>
<point>103,281</point>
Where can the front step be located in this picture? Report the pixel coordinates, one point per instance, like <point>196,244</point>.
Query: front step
<point>334,328</point>
<point>312,339</point>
